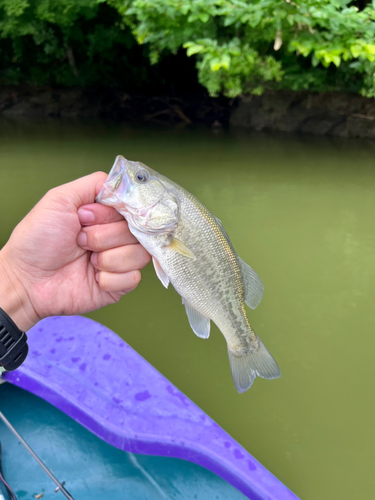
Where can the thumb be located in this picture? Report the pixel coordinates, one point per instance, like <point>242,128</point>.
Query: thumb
<point>82,191</point>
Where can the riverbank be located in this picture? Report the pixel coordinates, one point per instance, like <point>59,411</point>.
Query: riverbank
<point>112,104</point>
<point>335,114</point>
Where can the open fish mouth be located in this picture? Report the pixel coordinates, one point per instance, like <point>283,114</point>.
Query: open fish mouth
<point>117,183</point>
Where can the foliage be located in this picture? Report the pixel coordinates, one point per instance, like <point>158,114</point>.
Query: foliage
<point>237,46</point>
<point>68,42</point>
<point>243,46</point>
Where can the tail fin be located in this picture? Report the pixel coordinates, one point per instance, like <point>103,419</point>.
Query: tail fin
<point>257,362</point>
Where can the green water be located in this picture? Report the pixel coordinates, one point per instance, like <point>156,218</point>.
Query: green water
<point>298,210</point>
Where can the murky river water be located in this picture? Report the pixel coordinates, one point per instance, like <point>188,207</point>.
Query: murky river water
<point>298,210</point>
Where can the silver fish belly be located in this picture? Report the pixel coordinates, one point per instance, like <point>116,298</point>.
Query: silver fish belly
<point>191,250</point>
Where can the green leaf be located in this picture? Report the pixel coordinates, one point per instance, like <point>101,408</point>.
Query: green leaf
<point>258,90</point>
<point>225,61</point>
<point>195,49</point>
<point>204,17</point>
<point>314,61</point>
<point>356,50</point>
<point>215,64</point>
<point>370,48</point>
<point>336,60</point>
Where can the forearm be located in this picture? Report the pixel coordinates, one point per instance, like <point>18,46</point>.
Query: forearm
<point>14,299</point>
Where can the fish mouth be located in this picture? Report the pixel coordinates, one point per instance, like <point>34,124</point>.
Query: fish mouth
<point>117,182</point>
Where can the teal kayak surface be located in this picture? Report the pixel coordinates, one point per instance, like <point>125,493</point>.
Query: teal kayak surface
<point>91,468</point>
<point>95,378</point>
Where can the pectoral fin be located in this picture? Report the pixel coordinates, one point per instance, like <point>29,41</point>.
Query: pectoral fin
<point>179,247</point>
<point>253,284</point>
<point>160,273</point>
<point>199,323</point>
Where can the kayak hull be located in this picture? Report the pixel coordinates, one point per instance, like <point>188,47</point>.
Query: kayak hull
<point>89,373</point>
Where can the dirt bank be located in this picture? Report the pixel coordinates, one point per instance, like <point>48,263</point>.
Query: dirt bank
<point>336,114</point>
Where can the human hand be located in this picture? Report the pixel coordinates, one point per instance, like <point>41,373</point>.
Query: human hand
<point>47,267</point>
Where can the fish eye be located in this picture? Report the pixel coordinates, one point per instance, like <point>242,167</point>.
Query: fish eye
<point>141,176</point>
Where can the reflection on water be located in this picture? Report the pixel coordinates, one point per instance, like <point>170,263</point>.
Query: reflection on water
<point>300,211</point>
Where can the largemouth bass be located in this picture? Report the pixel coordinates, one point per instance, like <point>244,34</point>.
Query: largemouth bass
<point>191,249</point>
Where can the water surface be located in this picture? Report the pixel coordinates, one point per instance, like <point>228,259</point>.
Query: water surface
<point>300,211</point>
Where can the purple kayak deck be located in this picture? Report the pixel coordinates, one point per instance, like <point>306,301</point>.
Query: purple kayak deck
<point>92,375</point>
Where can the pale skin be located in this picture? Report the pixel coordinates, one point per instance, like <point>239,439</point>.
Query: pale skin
<point>68,256</point>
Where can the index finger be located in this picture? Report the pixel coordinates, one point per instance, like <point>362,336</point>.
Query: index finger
<point>94,213</point>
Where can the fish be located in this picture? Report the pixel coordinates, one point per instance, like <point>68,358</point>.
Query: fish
<point>191,250</point>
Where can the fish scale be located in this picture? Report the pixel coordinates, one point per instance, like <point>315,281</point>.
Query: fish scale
<point>215,278</point>
<point>191,250</point>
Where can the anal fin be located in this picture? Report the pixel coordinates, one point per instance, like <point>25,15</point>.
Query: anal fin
<point>199,323</point>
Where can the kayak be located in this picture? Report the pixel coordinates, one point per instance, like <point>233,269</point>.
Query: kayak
<point>110,425</point>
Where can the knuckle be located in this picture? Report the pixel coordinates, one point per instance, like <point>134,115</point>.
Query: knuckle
<point>51,194</point>
<point>135,279</point>
<point>120,261</point>
<point>94,240</point>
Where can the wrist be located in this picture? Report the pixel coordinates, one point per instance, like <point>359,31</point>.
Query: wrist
<point>14,299</point>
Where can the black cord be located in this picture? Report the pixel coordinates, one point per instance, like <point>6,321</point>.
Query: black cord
<point>12,496</point>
